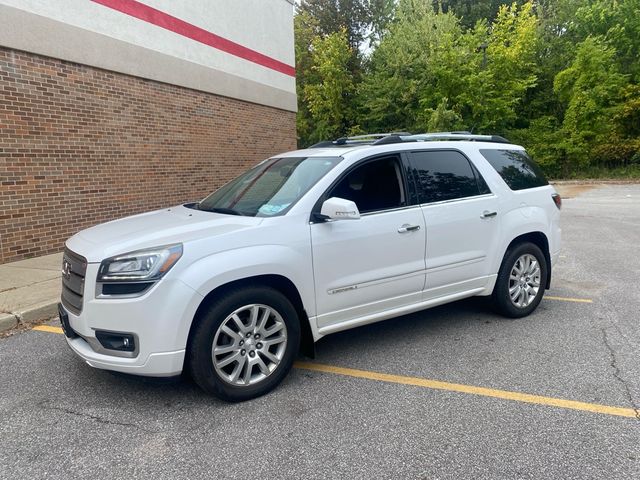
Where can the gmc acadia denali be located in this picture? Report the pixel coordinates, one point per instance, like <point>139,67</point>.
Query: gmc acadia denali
<point>308,243</point>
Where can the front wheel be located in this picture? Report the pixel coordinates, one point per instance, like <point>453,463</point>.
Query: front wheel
<point>244,344</point>
<point>521,281</point>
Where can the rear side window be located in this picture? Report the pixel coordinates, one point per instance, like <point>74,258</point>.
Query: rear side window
<point>516,168</point>
<point>445,175</point>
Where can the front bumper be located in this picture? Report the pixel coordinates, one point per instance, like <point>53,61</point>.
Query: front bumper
<point>165,364</point>
<point>160,321</point>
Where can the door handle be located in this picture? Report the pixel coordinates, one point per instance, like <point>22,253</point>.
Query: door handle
<point>408,228</point>
<point>488,214</point>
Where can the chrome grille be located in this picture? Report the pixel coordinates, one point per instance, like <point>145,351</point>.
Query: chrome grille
<point>74,269</point>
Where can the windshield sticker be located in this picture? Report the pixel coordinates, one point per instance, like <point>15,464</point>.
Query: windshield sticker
<point>267,209</point>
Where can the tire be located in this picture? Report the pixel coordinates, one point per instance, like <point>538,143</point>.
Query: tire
<point>521,286</point>
<point>256,334</point>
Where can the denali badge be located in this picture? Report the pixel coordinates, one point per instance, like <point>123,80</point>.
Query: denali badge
<point>343,289</point>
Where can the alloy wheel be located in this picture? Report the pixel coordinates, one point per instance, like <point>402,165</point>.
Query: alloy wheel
<point>524,280</point>
<point>249,345</point>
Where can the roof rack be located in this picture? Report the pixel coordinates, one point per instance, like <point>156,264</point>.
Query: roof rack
<point>403,137</point>
<point>366,139</point>
<point>468,136</point>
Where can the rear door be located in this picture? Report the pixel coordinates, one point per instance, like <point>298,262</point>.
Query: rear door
<point>462,220</point>
<point>366,266</point>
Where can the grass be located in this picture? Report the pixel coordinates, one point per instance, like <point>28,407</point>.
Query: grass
<point>629,172</point>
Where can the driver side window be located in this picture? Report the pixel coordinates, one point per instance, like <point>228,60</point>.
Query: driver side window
<point>373,186</point>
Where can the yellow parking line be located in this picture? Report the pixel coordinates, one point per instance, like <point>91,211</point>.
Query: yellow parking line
<point>469,389</point>
<point>48,328</point>
<point>451,387</point>
<point>569,299</point>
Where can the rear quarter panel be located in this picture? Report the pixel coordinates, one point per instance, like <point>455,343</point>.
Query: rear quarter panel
<point>521,211</point>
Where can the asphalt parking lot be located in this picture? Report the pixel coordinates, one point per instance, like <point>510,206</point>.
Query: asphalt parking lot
<point>450,404</point>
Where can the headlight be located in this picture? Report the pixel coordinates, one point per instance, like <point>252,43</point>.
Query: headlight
<point>142,265</point>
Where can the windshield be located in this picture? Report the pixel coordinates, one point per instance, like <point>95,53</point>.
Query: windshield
<point>269,188</point>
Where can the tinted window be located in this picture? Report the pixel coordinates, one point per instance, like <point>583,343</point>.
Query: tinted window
<point>443,175</point>
<point>375,185</point>
<point>516,168</point>
<point>483,188</point>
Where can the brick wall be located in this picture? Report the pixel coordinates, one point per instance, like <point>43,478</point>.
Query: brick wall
<point>80,146</point>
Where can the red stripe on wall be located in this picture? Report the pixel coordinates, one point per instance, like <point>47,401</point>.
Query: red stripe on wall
<point>169,22</point>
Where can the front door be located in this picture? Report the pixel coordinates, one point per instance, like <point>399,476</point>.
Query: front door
<point>366,266</point>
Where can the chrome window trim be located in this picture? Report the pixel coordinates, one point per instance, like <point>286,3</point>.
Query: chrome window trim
<point>377,212</point>
<point>397,209</point>
<point>443,202</point>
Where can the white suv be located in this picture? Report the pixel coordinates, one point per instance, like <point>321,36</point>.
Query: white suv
<point>305,244</point>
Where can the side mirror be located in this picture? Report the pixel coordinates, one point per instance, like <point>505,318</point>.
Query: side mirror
<point>339,209</point>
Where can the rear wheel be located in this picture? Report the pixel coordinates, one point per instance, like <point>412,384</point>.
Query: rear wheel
<point>521,281</point>
<point>244,344</point>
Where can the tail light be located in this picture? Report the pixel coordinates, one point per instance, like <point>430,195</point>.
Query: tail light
<point>557,199</point>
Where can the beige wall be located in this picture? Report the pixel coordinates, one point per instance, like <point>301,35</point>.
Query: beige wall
<point>87,32</point>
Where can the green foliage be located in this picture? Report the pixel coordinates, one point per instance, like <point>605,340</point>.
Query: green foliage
<point>592,89</point>
<point>405,66</point>
<point>443,119</point>
<point>496,91</point>
<point>630,172</point>
<point>331,16</point>
<point>618,21</point>
<point>543,139</point>
<point>470,11</point>
<point>560,77</point>
<point>304,30</point>
<point>427,56</point>
<point>328,95</point>
<point>364,21</point>
<point>616,152</point>
<point>627,117</point>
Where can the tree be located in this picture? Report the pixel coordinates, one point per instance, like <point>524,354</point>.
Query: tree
<point>618,22</point>
<point>331,16</point>
<point>471,11</point>
<point>426,57</point>
<point>329,94</point>
<point>363,22</point>
<point>497,91</point>
<point>403,84</point>
<point>443,119</point>
<point>559,76</point>
<point>304,31</point>
<point>592,88</point>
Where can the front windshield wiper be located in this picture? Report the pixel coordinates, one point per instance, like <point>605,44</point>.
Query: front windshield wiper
<point>228,211</point>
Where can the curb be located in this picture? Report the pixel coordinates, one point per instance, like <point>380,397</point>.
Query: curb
<point>7,322</point>
<point>33,313</point>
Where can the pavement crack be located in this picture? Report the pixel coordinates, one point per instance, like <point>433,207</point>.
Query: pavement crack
<point>9,289</point>
<point>95,418</point>
<point>618,375</point>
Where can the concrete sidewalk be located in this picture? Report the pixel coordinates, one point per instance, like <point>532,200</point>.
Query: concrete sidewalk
<point>29,290</point>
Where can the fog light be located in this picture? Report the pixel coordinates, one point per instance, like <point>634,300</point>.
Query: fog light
<point>123,342</point>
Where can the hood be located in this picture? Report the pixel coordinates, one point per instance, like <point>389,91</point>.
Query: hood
<point>161,227</point>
